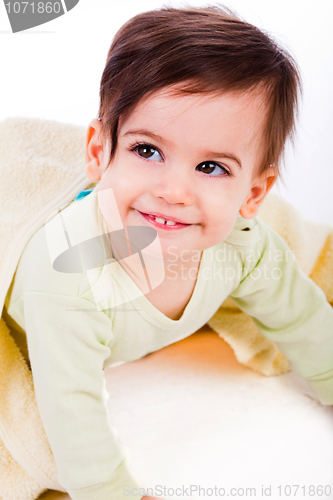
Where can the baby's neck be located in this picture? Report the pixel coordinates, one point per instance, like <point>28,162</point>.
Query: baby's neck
<point>177,271</point>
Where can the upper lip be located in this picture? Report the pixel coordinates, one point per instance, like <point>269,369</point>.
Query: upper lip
<point>165,217</point>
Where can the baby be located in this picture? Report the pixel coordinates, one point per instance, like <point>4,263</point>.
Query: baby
<point>196,106</point>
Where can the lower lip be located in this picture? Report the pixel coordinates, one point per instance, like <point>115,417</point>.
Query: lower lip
<point>167,227</point>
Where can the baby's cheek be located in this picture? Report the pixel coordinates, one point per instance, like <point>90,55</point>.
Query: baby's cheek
<point>108,206</point>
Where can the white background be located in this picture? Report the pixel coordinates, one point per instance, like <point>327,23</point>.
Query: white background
<point>53,72</point>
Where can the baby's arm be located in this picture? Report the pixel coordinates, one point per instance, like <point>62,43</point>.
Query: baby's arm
<point>290,309</point>
<point>68,344</point>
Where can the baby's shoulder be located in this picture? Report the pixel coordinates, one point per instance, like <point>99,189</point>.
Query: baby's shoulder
<point>246,232</point>
<point>51,261</point>
<point>246,244</point>
<point>36,272</point>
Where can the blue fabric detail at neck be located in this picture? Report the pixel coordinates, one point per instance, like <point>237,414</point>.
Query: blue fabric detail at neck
<point>83,193</point>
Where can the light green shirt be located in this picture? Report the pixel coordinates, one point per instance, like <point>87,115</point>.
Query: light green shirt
<point>78,324</point>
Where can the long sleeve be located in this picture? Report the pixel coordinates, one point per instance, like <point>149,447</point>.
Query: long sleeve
<point>68,343</point>
<point>290,309</point>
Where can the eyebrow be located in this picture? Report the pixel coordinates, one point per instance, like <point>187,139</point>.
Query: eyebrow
<point>157,137</point>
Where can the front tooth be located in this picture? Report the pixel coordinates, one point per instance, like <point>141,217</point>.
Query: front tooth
<point>171,223</point>
<point>160,220</point>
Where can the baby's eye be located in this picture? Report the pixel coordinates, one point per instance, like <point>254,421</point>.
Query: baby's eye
<point>207,167</point>
<point>147,152</point>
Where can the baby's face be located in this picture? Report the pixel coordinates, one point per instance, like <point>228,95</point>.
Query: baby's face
<point>189,159</point>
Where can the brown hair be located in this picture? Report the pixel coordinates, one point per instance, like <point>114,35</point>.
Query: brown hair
<point>207,50</point>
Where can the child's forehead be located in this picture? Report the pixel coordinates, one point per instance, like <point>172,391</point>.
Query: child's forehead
<point>163,99</point>
<point>173,112</point>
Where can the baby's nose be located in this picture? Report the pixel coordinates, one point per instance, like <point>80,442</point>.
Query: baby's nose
<point>175,186</point>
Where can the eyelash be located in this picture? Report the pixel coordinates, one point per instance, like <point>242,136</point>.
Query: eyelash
<point>135,146</point>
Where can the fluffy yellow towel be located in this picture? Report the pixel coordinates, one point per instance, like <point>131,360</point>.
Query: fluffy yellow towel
<point>42,170</point>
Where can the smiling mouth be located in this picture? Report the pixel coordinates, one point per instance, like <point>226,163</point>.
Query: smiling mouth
<point>159,222</point>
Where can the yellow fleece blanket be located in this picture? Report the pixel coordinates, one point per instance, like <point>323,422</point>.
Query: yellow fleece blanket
<point>42,170</point>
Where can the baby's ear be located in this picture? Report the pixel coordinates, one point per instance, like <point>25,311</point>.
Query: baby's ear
<point>95,151</point>
<point>260,188</point>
